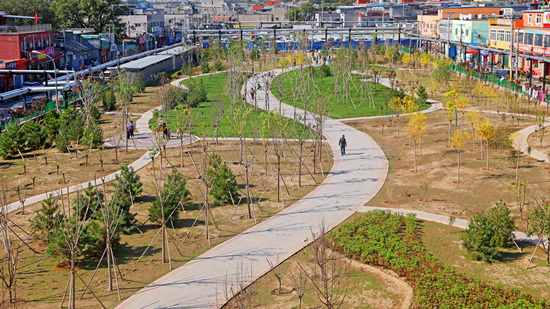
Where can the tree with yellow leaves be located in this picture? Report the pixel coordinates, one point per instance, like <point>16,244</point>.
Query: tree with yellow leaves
<point>473,119</point>
<point>425,60</point>
<point>458,141</point>
<point>451,113</point>
<point>490,94</point>
<point>397,104</point>
<point>459,102</point>
<point>487,130</point>
<point>479,89</point>
<point>406,58</point>
<point>416,128</point>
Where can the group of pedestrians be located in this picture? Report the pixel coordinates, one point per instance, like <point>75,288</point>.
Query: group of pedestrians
<point>535,92</point>
<point>163,128</point>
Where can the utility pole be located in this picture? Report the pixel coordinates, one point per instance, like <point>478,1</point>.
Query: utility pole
<point>322,12</point>
<point>517,55</point>
<point>511,45</point>
<point>449,31</point>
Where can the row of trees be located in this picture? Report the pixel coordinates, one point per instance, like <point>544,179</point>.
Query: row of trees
<point>60,129</point>
<point>101,15</point>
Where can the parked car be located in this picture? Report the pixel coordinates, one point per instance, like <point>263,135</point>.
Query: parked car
<point>500,73</point>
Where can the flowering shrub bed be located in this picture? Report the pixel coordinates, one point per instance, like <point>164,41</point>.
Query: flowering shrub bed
<point>392,241</point>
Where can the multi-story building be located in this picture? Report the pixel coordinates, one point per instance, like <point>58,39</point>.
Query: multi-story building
<point>146,24</point>
<point>533,38</point>
<point>500,37</point>
<point>17,44</point>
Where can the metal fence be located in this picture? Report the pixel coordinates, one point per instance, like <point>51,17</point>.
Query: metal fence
<point>505,83</point>
<point>38,113</point>
<point>73,99</point>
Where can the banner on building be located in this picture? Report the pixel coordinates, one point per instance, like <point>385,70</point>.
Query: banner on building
<point>546,20</point>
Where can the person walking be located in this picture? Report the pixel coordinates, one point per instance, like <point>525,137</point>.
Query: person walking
<point>252,93</point>
<point>342,143</point>
<point>128,131</point>
<point>160,121</point>
<point>132,128</point>
<point>165,132</point>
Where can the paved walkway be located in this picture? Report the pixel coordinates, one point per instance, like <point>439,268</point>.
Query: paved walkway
<point>202,283</point>
<point>136,165</point>
<point>462,224</point>
<point>520,142</point>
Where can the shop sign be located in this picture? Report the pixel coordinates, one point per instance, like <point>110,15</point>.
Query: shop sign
<point>525,48</point>
<point>539,50</point>
<point>546,20</point>
<point>11,65</point>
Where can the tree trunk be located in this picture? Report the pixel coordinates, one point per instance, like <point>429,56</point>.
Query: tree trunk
<point>207,215</point>
<point>72,292</point>
<point>473,139</point>
<point>487,154</point>
<point>450,129</point>
<point>181,148</point>
<point>300,164</point>
<point>481,147</point>
<point>458,169</point>
<point>278,177</point>
<point>517,166</point>
<point>415,169</point>
<point>398,126</point>
<point>247,191</point>
<point>109,261</point>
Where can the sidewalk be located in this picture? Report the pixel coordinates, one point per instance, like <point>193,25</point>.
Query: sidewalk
<point>354,179</point>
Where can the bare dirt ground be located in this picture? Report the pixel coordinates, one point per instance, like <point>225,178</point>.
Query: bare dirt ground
<point>366,286</point>
<point>73,170</point>
<point>509,270</point>
<point>44,285</point>
<point>434,189</point>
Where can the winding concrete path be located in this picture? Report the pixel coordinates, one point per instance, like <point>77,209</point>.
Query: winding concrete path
<point>460,223</point>
<point>203,283</point>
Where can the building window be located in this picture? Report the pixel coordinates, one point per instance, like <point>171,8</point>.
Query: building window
<point>537,19</point>
<point>456,31</point>
<point>528,38</point>
<point>493,35</point>
<point>529,18</point>
<point>466,32</point>
<point>519,38</point>
<point>508,36</point>
<point>547,40</point>
<point>538,39</point>
<point>500,35</point>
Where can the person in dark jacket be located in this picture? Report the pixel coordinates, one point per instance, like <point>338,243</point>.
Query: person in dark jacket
<point>342,143</point>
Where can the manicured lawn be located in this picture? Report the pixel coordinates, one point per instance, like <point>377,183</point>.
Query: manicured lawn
<point>354,103</point>
<point>204,116</point>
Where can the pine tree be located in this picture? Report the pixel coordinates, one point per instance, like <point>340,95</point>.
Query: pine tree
<point>223,181</point>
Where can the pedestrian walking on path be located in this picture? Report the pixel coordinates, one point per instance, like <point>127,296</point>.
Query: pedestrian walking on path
<point>252,93</point>
<point>342,143</point>
<point>130,130</point>
<point>165,131</point>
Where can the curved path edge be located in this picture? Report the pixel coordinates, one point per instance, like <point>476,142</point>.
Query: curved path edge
<point>210,280</point>
<point>459,223</point>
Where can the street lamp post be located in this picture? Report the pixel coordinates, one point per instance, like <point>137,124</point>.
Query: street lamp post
<point>55,76</point>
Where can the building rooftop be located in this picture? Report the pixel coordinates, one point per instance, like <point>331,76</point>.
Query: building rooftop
<point>145,62</point>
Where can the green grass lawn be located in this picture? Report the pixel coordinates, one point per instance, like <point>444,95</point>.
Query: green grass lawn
<point>204,116</point>
<point>355,105</point>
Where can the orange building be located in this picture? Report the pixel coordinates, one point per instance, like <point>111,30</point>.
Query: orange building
<point>533,38</point>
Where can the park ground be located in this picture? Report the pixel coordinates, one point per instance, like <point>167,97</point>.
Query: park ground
<point>432,188</point>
